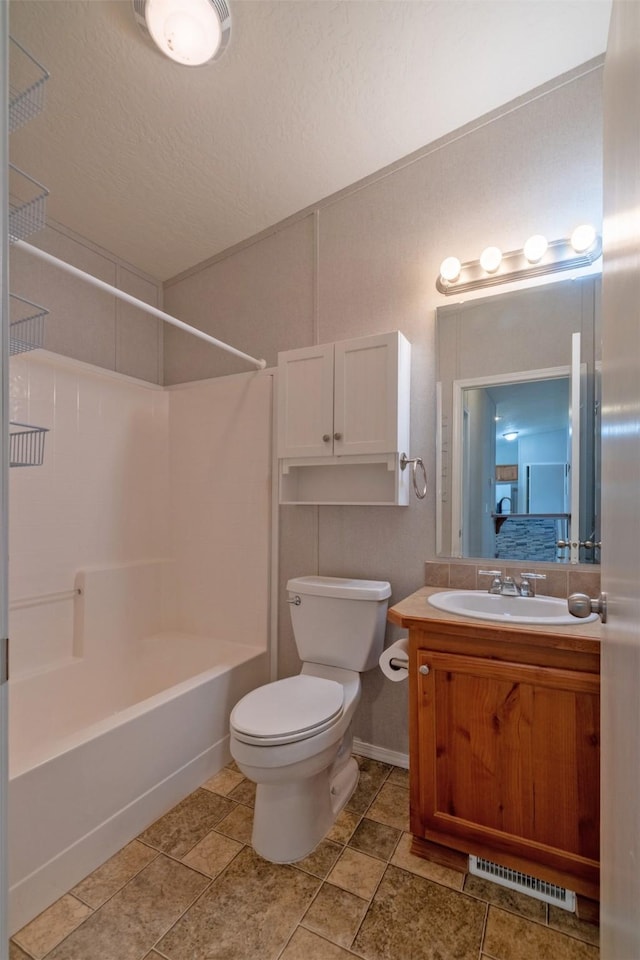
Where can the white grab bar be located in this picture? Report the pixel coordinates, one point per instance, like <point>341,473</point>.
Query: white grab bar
<point>42,598</point>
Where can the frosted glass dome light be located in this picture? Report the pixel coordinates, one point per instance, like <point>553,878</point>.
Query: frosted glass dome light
<point>450,269</point>
<point>190,32</point>
<point>490,259</point>
<point>535,248</point>
<point>583,238</point>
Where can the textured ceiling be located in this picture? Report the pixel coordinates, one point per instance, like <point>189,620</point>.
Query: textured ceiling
<point>166,166</point>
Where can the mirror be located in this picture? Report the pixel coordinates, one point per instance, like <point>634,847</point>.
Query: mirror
<point>518,425</point>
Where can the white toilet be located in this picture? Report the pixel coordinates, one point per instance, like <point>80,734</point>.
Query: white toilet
<point>293,737</point>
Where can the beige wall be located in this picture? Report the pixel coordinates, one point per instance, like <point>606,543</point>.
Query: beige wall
<point>366,261</point>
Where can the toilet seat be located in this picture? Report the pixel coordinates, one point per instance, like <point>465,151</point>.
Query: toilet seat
<point>287,710</point>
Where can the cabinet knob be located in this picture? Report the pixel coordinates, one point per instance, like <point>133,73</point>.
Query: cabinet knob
<point>337,436</point>
<point>424,669</point>
<point>326,437</point>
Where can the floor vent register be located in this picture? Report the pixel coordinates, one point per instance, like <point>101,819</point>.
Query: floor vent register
<point>540,889</point>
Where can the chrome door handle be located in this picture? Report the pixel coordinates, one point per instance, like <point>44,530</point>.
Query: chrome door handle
<point>580,605</point>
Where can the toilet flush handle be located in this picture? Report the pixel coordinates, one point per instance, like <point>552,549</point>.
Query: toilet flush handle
<point>296,601</point>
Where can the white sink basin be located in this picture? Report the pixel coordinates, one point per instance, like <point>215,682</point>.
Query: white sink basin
<point>489,606</point>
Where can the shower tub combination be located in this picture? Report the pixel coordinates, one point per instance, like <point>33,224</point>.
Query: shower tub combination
<point>104,743</point>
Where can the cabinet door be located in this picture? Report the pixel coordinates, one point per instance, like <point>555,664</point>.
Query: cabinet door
<point>305,402</point>
<point>509,760</point>
<point>366,395</point>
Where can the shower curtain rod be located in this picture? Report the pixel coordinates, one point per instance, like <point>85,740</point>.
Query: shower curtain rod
<point>121,295</point>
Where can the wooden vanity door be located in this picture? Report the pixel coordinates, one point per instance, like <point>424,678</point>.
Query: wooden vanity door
<point>509,761</point>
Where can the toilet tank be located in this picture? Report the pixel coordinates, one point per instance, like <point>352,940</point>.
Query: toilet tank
<point>339,622</point>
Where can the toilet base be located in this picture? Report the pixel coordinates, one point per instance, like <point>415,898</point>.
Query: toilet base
<point>290,819</point>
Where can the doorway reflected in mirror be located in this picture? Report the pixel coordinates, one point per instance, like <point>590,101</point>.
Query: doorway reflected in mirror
<point>528,490</point>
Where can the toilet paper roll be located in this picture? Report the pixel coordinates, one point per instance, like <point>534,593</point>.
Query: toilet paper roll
<point>398,652</point>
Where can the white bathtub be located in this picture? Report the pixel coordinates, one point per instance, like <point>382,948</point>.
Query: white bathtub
<point>108,740</point>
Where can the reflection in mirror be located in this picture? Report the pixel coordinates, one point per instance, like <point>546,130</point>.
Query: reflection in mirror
<point>518,425</point>
<point>525,431</point>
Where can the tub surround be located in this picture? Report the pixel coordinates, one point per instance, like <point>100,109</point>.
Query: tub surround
<point>504,743</point>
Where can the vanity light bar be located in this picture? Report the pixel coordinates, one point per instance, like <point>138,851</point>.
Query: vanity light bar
<point>559,255</point>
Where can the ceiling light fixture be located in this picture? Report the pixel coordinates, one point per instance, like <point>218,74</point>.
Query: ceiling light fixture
<point>537,257</point>
<point>189,32</point>
<point>511,435</point>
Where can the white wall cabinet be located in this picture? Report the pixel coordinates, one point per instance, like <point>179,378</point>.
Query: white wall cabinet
<point>343,421</point>
<point>305,402</point>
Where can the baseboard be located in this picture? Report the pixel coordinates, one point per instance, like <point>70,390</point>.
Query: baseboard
<point>44,886</point>
<point>372,752</point>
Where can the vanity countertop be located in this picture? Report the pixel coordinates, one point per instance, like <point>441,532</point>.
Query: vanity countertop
<point>414,611</point>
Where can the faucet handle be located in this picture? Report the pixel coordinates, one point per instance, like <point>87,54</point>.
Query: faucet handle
<point>525,586</point>
<point>496,583</point>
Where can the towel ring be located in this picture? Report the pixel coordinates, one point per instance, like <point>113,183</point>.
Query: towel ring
<point>420,492</point>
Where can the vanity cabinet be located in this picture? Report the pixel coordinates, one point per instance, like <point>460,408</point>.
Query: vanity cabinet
<point>504,749</point>
<point>343,420</point>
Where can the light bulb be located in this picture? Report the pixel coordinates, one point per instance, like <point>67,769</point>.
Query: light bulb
<point>450,269</point>
<point>187,31</point>
<point>535,248</point>
<point>583,238</point>
<point>490,259</point>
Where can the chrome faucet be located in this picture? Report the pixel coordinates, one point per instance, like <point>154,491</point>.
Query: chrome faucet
<point>505,586</point>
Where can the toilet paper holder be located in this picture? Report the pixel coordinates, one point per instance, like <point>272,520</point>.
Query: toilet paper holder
<point>398,664</point>
<point>394,660</point>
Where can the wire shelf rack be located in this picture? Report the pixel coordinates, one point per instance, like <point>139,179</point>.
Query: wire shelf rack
<point>26,445</point>
<point>26,325</point>
<point>26,86</point>
<point>27,203</point>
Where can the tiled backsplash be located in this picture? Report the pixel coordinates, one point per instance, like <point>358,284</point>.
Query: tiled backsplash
<point>561,580</point>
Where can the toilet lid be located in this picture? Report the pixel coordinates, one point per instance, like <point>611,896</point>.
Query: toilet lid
<point>287,710</point>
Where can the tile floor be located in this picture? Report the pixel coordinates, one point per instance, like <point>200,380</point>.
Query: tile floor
<point>190,887</point>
